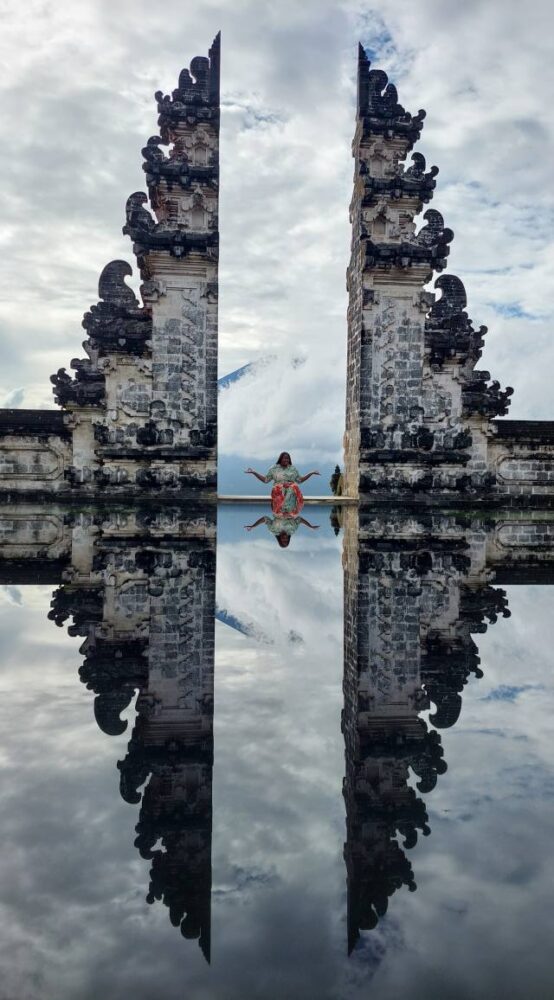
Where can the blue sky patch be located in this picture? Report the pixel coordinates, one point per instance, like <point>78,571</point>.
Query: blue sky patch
<point>510,310</point>
<point>507,692</point>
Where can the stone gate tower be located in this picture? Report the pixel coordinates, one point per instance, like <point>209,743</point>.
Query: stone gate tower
<point>139,414</point>
<point>420,418</point>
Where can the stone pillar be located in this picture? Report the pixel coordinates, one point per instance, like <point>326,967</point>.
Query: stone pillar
<point>383,734</point>
<point>178,260</point>
<point>415,590</point>
<point>142,406</point>
<point>418,415</point>
<point>388,268</point>
<point>141,591</point>
<point>173,738</point>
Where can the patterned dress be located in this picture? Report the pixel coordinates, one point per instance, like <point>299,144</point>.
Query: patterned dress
<point>286,498</point>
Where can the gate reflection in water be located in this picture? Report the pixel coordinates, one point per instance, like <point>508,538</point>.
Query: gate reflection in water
<point>135,591</point>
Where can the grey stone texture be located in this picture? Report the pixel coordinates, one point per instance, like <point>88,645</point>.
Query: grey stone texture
<point>420,425</point>
<point>139,414</point>
<point>417,588</point>
<point>139,587</point>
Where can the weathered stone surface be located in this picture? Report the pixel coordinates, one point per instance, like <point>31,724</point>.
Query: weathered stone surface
<point>138,585</point>
<point>140,410</point>
<point>35,449</point>
<point>416,590</point>
<point>140,589</point>
<point>419,417</point>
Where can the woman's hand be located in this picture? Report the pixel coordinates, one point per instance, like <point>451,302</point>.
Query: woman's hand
<point>258,475</point>
<point>256,523</point>
<point>307,476</point>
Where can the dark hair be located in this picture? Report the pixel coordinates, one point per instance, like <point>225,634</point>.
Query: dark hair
<point>283,539</point>
<point>281,457</point>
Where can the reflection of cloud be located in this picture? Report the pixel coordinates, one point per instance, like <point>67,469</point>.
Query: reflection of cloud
<point>14,398</point>
<point>257,585</point>
<point>507,692</point>
<point>11,595</point>
<point>72,910</point>
<point>244,881</point>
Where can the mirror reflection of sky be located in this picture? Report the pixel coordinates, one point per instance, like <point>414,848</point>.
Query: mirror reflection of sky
<point>72,886</point>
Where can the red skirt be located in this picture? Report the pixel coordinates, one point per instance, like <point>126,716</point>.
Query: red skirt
<point>286,498</point>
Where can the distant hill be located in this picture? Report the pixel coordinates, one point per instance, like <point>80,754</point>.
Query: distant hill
<point>226,380</point>
<point>250,629</point>
<point>231,477</point>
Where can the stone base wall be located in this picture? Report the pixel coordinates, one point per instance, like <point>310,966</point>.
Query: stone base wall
<point>521,457</point>
<point>35,451</point>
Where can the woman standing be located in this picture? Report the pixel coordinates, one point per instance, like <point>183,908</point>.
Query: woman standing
<point>286,498</point>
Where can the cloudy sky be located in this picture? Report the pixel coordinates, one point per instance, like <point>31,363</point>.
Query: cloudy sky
<point>77,107</point>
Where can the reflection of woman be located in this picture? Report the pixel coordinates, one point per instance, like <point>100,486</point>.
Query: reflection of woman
<point>286,497</point>
<point>283,526</point>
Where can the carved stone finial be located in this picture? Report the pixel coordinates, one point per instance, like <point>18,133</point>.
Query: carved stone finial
<point>378,105</point>
<point>139,220</point>
<point>363,74</point>
<point>417,170</point>
<point>430,246</point>
<point>434,234</point>
<point>112,287</point>
<point>453,299</point>
<point>450,334</point>
<point>118,322</point>
<point>86,389</point>
<point>152,152</point>
<point>196,96</point>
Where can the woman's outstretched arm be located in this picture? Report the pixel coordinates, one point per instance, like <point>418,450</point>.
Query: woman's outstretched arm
<point>255,525</point>
<point>258,475</point>
<point>307,476</point>
<point>303,520</point>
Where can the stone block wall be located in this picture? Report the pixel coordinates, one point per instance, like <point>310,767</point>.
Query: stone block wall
<point>521,456</point>
<point>140,590</point>
<point>139,414</point>
<point>419,415</point>
<point>417,589</point>
<point>35,451</point>
<point>138,586</point>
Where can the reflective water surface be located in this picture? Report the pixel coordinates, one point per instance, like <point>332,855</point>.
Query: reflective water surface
<point>322,770</point>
